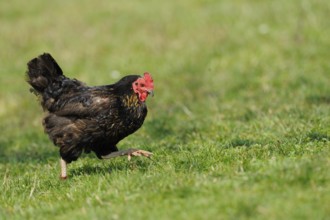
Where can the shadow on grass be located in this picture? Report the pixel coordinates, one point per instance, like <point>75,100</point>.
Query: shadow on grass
<point>317,136</point>
<point>318,99</point>
<point>90,169</point>
<point>238,142</point>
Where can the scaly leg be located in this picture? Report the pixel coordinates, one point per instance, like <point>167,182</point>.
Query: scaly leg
<point>63,169</point>
<point>129,152</point>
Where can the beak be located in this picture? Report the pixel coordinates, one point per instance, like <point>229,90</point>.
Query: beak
<point>151,92</point>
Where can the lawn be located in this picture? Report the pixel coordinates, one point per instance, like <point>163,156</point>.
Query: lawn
<point>239,125</point>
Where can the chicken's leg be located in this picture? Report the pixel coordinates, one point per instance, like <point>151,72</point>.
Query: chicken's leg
<point>129,152</point>
<point>63,169</point>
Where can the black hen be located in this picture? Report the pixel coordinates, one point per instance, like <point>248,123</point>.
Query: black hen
<point>82,118</point>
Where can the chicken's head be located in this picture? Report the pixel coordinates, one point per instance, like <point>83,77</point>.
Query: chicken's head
<point>144,86</point>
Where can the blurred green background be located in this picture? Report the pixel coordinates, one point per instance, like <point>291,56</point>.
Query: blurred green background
<point>239,124</point>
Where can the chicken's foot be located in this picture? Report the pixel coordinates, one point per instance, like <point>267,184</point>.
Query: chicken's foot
<point>129,152</point>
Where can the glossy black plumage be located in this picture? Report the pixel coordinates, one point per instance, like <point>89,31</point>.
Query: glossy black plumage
<point>82,118</point>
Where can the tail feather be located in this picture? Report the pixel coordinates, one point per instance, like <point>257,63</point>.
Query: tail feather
<point>49,84</point>
<point>42,71</point>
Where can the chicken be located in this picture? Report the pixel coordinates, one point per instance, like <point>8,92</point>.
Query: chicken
<point>80,118</point>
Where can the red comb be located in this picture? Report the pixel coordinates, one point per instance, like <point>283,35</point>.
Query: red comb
<point>148,79</point>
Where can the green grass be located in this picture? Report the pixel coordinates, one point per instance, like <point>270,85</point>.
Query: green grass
<point>239,125</point>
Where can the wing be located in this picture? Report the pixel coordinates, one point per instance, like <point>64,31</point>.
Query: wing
<point>88,102</point>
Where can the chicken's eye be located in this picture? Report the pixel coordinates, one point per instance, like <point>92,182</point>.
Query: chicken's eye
<point>142,85</point>
<point>136,83</point>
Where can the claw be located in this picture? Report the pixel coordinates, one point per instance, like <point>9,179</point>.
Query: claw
<point>141,153</point>
<point>129,153</point>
